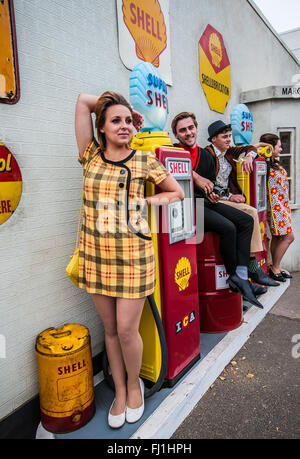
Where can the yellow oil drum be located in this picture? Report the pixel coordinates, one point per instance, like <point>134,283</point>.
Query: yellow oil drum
<point>65,377</point>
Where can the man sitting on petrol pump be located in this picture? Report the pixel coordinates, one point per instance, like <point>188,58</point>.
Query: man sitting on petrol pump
<point>225,158</point>
<point>234,226</point>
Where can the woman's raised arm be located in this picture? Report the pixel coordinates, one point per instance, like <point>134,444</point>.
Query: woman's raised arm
<point>84,132</point>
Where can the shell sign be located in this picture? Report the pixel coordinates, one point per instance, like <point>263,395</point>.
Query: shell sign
<point>183,273</point>
<point>143,34</point>
<point>214,69</point>
<point>10,184</point>
<point>241,121</point>
<point>146,24</point>
<point>148,95</point>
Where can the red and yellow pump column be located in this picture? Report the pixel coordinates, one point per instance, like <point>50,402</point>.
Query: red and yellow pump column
<point>151,363</point>
<point>176,292</point>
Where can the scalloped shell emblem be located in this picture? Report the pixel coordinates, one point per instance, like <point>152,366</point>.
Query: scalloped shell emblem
<point>215,49</point>
<point>145,22</point>
<point>182,273</point>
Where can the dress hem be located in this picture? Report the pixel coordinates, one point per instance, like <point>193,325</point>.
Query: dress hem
<point>105,293</point>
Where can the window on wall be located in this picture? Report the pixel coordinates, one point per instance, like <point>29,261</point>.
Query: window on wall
<point>288,157</point>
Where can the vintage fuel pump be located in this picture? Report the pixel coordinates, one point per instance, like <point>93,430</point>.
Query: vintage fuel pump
<point>173,234</point>
<point>254,185</point>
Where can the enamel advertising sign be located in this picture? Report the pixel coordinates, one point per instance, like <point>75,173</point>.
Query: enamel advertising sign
<point>10,184</point>
<point>143,34</point>
<point>214,68</point>
<point>9,72</point>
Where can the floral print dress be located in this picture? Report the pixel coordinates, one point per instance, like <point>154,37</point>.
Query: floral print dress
<point>279,212</point>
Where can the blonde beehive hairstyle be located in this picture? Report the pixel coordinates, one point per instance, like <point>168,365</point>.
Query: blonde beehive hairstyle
<point>107,99</point>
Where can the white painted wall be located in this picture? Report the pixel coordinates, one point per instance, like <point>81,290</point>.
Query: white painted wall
<point>292,39</point>
<point>67,47</point>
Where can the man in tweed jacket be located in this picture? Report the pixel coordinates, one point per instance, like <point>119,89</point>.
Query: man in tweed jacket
<point>225,158</point>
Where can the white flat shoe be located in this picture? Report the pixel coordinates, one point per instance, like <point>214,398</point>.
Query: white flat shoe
<point>134,414</point>
<point>116,421</point>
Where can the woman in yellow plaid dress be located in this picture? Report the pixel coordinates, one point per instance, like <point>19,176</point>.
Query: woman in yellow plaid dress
<point>116,261</point>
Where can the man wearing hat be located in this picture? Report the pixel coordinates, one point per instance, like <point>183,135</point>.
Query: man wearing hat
<point>234,226</point>
<point>225,158</point>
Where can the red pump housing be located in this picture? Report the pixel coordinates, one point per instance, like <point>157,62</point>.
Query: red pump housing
<point>178,270</point>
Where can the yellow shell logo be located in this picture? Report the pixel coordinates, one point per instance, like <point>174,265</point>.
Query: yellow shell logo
<point>183,272</point>
<point>145,22</point>
<point>215,49</point>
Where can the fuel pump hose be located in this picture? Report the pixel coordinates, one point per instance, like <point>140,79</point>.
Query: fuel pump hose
<point>164,354</point>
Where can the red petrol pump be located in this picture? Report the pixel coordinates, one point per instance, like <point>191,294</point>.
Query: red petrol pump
<point>176,292</point>
<point>178,269</point>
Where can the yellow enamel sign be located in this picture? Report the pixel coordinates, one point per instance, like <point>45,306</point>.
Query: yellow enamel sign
<point>214,68</point>
<point>146,24</point>
<point>10,184</point>
<point>183,272</point>
<point>9,78</point>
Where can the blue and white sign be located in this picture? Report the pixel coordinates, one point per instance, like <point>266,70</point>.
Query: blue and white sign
<point>242,125</point>
<point>148,96</point>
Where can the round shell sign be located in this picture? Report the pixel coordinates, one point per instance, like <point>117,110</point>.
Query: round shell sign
<point>214,67</point>
<point>10,184</point>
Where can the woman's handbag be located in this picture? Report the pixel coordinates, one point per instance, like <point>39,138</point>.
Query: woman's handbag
<point>72,270</point>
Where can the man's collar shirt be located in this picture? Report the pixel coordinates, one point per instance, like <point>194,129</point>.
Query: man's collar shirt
<point>225,169</point>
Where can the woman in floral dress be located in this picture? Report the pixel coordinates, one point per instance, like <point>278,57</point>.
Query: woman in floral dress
<point>279,212</point>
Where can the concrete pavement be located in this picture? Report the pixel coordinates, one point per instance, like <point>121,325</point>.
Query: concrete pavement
<point>257,394</point>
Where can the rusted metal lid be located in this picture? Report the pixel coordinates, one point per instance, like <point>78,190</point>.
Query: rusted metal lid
<point>60,341</point>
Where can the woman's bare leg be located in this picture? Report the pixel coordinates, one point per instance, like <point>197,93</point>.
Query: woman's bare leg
<point>279,246</point>
<point>106,307</point>
<point>129,313</point>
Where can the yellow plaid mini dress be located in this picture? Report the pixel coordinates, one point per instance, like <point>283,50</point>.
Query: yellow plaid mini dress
<point>116,256</point>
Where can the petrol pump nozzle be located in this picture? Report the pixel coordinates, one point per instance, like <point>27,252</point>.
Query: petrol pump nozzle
<point>265,152</point>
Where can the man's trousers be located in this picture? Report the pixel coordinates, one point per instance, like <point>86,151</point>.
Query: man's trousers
<point>235,229</point>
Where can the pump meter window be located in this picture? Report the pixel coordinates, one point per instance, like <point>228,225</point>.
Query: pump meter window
<point>261,201</point>
<point>180,213</point>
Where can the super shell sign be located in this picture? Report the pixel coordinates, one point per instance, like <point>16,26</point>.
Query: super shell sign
<point>242,125</point>
<point>214,68</point>
<point>10,184</point>
<point>148,95</point>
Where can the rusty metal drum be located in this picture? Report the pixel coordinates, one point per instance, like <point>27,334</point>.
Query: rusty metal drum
<point>65,377</point>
